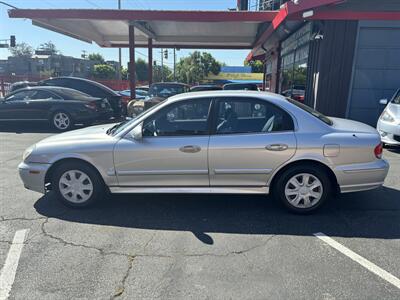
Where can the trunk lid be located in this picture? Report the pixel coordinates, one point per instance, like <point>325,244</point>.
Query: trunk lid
<point>346,125</point>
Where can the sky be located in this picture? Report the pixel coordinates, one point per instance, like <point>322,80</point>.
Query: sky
<point>34,36</point>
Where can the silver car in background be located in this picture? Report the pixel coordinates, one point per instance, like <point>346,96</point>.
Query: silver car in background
<point>389,121</point>
<point>212,142</point>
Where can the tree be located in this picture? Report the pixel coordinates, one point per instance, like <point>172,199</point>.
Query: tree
<point>142,69</point>
<point>124,73</point>
<point>97,57</point>
<point>50,47</point>
<point>21,50</point>
<point>256,66</point>
<point>196,67</point>
<point>103,71</point>
<point>157,71</point>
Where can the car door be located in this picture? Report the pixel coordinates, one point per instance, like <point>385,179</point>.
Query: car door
<point>250,139</point>
<point>14,106</point>
<point>40,103</point>
<point>172,151</point>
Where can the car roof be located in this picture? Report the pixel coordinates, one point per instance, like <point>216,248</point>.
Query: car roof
<point>98,84</point>
<point>53,89</point>
<point>169,83</point>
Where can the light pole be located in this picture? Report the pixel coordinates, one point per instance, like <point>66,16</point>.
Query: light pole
<point>119,52</point>
<point>174,65</point>
<point>162,65</point>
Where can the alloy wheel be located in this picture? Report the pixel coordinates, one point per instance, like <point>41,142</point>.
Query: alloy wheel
<point>61,120</point>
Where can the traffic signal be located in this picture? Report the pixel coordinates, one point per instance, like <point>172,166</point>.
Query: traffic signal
<point>12,41</point>
<point>166,53</point>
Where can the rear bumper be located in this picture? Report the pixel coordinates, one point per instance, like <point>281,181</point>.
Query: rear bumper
<point>33,176</point>
<point>93,116</point>
<point>361,177</point>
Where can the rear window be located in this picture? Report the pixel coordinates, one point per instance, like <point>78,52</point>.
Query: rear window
<point>315,113</point>
<point>71,94</point>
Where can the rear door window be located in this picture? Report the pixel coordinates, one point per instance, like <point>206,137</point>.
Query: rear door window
<point>250,115</point>
<point>21,96</point>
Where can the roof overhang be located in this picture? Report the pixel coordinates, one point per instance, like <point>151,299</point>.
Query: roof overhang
<point>167,29</point>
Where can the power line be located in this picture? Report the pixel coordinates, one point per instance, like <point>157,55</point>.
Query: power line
<point>92,3</point>
<point>141,4</point>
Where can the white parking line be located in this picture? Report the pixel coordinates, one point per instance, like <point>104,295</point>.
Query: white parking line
<point>9,270</point>
<point>359,259</point>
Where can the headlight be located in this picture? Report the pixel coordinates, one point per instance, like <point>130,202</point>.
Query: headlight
<point>27,152</point>
<point>387,117</point>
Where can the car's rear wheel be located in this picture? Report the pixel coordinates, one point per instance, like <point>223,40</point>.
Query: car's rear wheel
<point>61,121</point>
<point>303,189</point>
<point>77,184</point>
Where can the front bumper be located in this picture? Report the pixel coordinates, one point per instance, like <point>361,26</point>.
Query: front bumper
<point>33,175</point>
<point>390,132</point>
<point>361,177</point>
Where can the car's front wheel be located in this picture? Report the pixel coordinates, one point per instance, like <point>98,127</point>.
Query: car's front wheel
<point>303,189</point>
<point>77,184</point>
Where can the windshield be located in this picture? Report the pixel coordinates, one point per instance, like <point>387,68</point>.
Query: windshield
<point>396,98</point>
<point>166,90</point>
<point>315,113</point>
<point>117,128</point>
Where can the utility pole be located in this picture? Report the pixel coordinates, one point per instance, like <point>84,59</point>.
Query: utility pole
<point>174,65</point>
<point>119,53</point>
<point>162,65</point>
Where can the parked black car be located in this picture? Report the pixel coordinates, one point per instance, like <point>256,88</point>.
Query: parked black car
<point>240,86</point>
<point>61,107</point>
<point>89,87</point>
<point>158,92</point>
<point>205,87</point>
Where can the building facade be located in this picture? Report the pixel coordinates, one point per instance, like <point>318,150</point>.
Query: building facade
<point>345,66</point>
<point>48,65</point>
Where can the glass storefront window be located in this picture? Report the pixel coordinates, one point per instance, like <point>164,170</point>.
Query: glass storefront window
<point>294,57</point>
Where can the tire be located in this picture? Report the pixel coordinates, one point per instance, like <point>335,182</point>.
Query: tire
<point>62,121</point>
<point>303,198</point>
<point>85,189</point>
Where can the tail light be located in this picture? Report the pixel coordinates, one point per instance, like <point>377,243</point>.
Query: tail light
<point>378,150</point>
<point>91,105</point>
<point>126,100</point>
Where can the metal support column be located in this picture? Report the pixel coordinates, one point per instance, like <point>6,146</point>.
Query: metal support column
<point>132,69</point>
<point>150,54</point>
<point>264,73</point>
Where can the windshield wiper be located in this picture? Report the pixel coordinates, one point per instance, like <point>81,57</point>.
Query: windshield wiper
<point>111,130</point>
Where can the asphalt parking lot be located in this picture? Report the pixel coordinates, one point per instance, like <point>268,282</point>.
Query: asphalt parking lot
<point>195,247</point>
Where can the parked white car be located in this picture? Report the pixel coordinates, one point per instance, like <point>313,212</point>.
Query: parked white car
<point>389,121</point>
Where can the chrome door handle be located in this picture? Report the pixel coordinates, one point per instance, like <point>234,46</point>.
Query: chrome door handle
<point>190,149</point>
<point>276,147</point>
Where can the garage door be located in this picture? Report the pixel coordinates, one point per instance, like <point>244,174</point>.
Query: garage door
<point>377,69</point>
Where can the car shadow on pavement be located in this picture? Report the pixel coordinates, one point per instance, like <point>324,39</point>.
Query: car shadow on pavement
<point>371,214</point>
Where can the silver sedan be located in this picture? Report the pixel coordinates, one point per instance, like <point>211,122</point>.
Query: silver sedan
<point>238,142</point>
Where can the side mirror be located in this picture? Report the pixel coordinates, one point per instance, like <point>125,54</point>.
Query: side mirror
<point>137,132</point>
<point>383,101</point>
